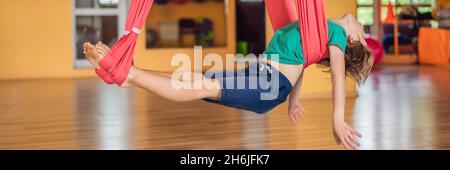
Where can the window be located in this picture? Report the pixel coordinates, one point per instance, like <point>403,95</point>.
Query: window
<point>366,11</point>
<point>96,20</point>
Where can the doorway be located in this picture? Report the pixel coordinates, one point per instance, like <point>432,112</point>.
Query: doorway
<point>251,26</point>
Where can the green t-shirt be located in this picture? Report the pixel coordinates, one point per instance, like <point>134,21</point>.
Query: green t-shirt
<point>287,43</point>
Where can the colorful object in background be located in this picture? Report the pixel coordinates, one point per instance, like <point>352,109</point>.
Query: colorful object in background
<point>162,1</point>
<point>389,41</point>
<point>434,46</point>
<point>188,33</point>
<point>117,62</point>
<point>376,48</point>
<point>199,30</point>
<point>204,31</point>
<point>390,18</point>
<point>180,2</point>
<point>242,48</point>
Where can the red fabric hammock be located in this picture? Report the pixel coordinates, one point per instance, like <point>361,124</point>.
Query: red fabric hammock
<point>312,22</point>
<point>116,64</point>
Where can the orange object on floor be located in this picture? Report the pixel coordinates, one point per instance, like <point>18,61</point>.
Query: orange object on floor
<point>434,46</point>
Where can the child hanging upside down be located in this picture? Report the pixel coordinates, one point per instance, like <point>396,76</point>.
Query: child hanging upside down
<point>348,56</point>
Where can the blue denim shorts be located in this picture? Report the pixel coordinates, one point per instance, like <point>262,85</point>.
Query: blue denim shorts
<point>258,88</point>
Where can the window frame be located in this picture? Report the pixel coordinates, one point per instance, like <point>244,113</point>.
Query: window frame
<point>121,13</point>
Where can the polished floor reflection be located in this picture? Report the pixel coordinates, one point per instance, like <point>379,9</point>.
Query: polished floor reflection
<point>400,107</point>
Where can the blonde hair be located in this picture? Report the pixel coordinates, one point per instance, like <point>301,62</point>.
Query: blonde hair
<point>358,62</point>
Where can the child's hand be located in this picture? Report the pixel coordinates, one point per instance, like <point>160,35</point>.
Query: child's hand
<point>346,135</point>
<point>296,112</point>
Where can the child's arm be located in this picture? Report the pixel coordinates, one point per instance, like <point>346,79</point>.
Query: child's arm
<point>343,133</point>
<point>296,110</point>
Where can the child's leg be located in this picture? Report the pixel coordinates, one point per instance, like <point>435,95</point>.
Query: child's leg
<point>161,84</point>
<point>159,73</point>
<point>193,75</point>
<point>102,49</point>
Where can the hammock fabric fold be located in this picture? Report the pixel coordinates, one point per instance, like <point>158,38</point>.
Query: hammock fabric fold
<point>104,75</point>
<point>312,25</point>
<point>117,63</point>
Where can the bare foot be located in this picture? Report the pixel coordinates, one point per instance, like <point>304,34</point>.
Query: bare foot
<point>102,50</point>
<point>92,54</point>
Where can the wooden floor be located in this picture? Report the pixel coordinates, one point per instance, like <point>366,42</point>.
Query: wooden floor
<point>401,107</point>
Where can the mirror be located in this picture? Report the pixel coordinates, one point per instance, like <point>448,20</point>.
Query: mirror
<point>186,23</point>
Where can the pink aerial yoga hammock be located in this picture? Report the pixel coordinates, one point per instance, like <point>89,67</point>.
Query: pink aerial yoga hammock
<point>116,64</point>
<point>312,22</point>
